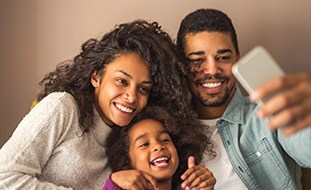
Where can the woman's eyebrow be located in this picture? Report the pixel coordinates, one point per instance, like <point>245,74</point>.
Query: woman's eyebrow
<point>124,73</point>
<point>130,76</point>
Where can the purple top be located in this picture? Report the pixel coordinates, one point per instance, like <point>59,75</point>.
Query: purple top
<point>109,185</point>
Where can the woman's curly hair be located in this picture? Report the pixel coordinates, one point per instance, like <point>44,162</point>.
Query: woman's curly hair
<point>189,136</point>
<point>147,40</point>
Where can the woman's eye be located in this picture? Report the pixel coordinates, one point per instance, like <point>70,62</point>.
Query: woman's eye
<point>144,90</point>
<point>122,81</point>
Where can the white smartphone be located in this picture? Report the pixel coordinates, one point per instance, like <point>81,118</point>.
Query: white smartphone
<point>255,68</point>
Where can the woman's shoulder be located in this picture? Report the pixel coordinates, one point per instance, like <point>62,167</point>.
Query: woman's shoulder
<point>60,96</point>
<point>56,103</point>
<point>63,98</point>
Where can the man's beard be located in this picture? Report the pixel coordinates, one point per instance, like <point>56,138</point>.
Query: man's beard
<point>221,100</point>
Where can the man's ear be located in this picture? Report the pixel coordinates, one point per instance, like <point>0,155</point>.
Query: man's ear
<point>238,56</point>
<point>95,79</point>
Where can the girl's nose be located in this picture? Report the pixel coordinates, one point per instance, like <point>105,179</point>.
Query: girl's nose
<point>158,147</point>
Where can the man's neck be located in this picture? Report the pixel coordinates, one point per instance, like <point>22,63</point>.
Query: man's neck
<point>209,112</point>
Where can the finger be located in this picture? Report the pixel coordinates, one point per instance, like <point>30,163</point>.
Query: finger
<point>207,184</point>
<point>139,181</point>
<point>193,175</point>
<point>287,116</point>
<point>297,126</point>
<point>151,181</point>
<point>279,102</point>
<point>298,111</point>
<point>298,94</point>
<point>264,90</point>
<point>204,180</point>
<point>277,84</point>
<point>191,162</point>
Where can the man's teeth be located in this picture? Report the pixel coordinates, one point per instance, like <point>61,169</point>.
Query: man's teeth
<point>212,85</point>
<point>125,109</point>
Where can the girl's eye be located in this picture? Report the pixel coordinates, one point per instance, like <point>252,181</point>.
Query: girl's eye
<point>144,145</point>
<point>166,140</point>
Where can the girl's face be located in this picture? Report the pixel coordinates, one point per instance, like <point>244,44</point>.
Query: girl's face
<point>123,90</point>
<point>152,150</point>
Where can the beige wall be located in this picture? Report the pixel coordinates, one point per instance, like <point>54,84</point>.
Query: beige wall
<point>36,35</point>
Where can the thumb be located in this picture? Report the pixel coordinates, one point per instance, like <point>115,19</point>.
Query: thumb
<point>191,162</point>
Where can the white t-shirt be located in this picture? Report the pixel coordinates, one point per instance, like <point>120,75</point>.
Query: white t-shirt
<point>226,178</point>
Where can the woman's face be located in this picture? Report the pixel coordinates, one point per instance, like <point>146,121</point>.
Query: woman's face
<point>151,150</point>
<point>123,89</point>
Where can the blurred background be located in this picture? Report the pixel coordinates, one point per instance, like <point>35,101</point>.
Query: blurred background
<point>36,35</point>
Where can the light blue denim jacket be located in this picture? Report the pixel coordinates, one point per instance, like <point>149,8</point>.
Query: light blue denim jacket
<point>261,158</point>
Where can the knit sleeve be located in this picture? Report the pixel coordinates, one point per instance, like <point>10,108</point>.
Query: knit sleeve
<point>24,155</point>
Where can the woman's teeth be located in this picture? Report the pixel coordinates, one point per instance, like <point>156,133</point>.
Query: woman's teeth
<point>124,109</point>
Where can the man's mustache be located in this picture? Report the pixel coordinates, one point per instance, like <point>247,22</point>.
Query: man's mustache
<point>209,77</point>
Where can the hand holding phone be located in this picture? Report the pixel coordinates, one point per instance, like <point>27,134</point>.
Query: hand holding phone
<point>256,68</point>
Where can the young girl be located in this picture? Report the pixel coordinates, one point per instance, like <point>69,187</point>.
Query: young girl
<point>59,144</point>
<point>147,147</point>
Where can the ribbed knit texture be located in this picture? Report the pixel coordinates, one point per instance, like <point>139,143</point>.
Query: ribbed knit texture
<point>48,151</point>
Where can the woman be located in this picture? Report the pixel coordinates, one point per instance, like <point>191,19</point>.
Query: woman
<point>59,144</point>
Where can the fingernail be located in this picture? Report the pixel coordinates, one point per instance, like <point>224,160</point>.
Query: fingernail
<point>183,185</point>
<point>254,96</point>
<point>260,114</point>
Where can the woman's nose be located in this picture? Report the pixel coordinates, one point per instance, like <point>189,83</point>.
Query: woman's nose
<point>130,96</point>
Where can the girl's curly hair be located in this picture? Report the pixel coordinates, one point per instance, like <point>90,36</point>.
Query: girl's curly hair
<point>189,136</point>
<point>147,40</point>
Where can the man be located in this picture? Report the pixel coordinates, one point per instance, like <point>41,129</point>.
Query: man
<point>252,152</point>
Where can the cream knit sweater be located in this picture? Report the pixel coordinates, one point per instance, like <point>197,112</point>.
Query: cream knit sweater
<point>48,151</point>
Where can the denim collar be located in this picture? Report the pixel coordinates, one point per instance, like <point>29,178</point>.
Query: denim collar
<point>234,112</point>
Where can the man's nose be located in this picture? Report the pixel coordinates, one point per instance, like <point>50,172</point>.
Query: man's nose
<point>210,67</point>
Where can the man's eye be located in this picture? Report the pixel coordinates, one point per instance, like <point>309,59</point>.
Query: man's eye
<point>223,58</point>
<point>196,62</point>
